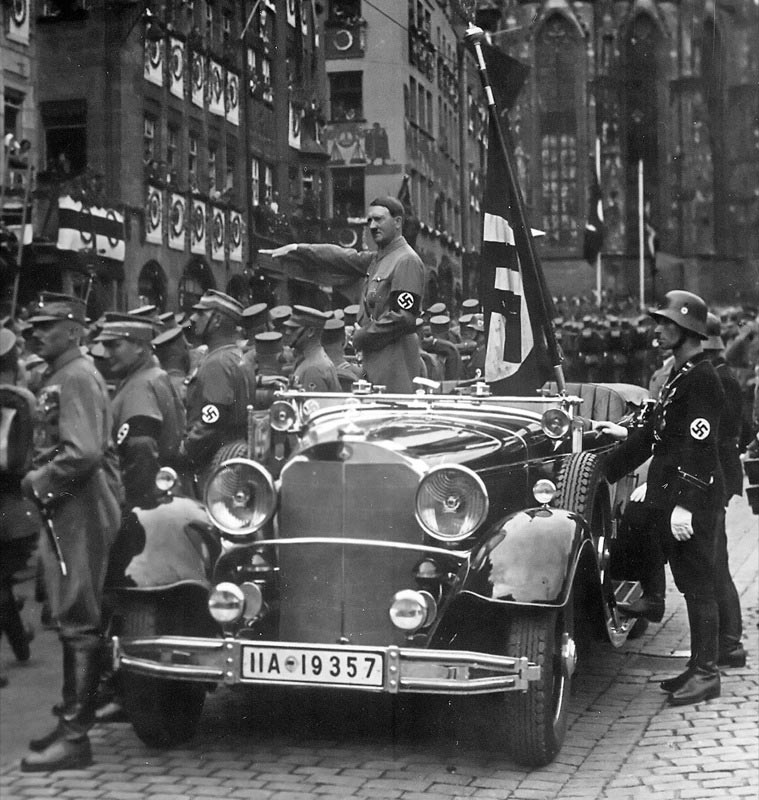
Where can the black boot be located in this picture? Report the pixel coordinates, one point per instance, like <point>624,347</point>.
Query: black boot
<point>732,657</point>
<point>68,747</point>
<point>704,681</point>
<point>650,607</point>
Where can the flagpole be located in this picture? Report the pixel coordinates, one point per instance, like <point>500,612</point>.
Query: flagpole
<point>24,208</point>
<point>599,280</point>
<point>522,233</point>
<point>641,255</point>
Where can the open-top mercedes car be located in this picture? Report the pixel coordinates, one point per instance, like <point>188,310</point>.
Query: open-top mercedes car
<point>427,543</point>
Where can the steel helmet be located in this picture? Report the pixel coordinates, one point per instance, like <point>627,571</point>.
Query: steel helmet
<point>713,333</point>
<point>685,309</point>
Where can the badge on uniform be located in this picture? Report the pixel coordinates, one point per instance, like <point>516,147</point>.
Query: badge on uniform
<point>122,433</point>
<point>700,428</point>
<point>209,414</point>
<point>406,301</point>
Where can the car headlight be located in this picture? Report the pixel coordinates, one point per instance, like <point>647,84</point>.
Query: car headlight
<point>226,602</point>
<point>240,497</point>
<point>283,416</point>
<point>555,423</point>
<point>544,491</point>
<point>451,502</point>
<point>411,610</point>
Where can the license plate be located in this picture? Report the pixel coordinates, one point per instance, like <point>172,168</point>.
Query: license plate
<point>314,665</point>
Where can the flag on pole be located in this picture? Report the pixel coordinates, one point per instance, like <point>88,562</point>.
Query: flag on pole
<point>651,238</point>
<point>594,227</point>
<point>516,360</point>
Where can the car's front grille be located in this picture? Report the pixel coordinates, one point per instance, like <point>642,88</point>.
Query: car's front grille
<point>335,590</point>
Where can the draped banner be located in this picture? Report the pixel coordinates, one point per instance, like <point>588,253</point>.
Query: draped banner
<point>154,62</point>
<point>198,227</point>
<point>93,228</point>
<point>198,77</point>
<point>108,225</point>
<point>177,222</point>
<point>235,236</point>
<point>18,21</point>
<point>233,98</point>
<point>294,129</point>
<point>291,12</point>
<point>154,216</point>
<point>177,69</point>
<point>215,88</point>
<point>217,233</point>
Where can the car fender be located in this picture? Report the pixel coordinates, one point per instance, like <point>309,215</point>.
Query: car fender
<point>170,545</point>
<point>530,559</point>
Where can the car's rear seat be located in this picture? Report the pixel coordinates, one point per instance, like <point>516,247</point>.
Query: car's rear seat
<point>604,401</point>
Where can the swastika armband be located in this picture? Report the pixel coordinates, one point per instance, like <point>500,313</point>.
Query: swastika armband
<point>700,428</point>
<point>137,427</point>
<point>405,301</point>
<point>214,414</point>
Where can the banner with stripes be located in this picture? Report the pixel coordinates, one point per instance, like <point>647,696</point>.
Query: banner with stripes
<point>217,233</point>
<point>177,222</point>
<point>198,227</point>
<point>177,69</point>
<point>235,236</point>
<point>93,228</point>
<point>154,216</point>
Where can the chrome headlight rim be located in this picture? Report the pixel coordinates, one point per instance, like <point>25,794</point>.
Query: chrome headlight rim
<point>234,603</point>
<point>419,601</point>
<point>555,423</point>
<point>283,416</point>
<point>247,530</point>
<point>479,485</point>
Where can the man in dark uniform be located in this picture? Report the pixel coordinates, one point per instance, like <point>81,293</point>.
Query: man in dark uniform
<point>685,489</point>
<point>75,481</point>
<point>392,295</point>
<point>221,389</point>
<point>148,416</point>
<point>173,353</point>
<point>731,651</point>
<point>314,371</point>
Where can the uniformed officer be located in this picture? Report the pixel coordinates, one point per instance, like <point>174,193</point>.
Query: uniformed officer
<point>75,481</point>
<point>441,345</point>
<point>148,415</point>
<point>220,390</point>
<point>314,371</point>
<point>731,651</point>
<point>173,353</point>
<point>333,341</point>
<point>475,366</point>
<point>685,487</point>
<point>269,348</point>
<point>392,295</point>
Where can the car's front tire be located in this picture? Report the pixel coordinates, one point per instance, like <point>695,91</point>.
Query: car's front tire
<point>536,720</point>
<point>163,713</point>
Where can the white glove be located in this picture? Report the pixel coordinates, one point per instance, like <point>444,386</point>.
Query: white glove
<point>284,250</point>
<point>618,432</point>
<point>638,494</point>
<point>681,522</point>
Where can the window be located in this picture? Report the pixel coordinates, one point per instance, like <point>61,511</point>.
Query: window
<point>255,182</point>
<point>212,167</point>
<point>65,124</point>
<point>268,183</point>
<point>557,57</point>
<point>12,107</point>
<point>420,108</point>
<point>192,155</point>
<point>148,139</point>
<point>172,149</point>
<point>346,96</point>
<point>412,100</point>
<point>209,19</point>
<point>266,78</point>
<point>430,120</point>
<point>226,26</point>
<point>348,193</point>
<point>229,177</point>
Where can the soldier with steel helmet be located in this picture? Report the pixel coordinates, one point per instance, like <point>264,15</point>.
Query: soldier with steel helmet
<point>685,489</point>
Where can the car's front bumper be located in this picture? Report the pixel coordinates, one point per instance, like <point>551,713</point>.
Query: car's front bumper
<point>231,661</point>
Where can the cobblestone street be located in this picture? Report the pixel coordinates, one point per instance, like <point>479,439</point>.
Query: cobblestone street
<point>623,743</point>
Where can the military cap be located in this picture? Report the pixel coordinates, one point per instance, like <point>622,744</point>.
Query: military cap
<point>214,300</point>
<point>713,339</point>
<point>350,314</point>
<point>148,312</point>
<point>268,343</point>
<point>471,304</point>
<point>440,323</point>
<point>437,309</point>
<point>125,326</point>
<point>465,319</point>
<point>305,317</point>
<point>53,307</point>
<point>338,313</point>
<point>395,207</point>
<point>168,336</point>
<point>334,331</point>
<point>170,319</point>
<point>477,325</point>
<point>7,340</point>
<point>255,315</point>
<point>279,315</point>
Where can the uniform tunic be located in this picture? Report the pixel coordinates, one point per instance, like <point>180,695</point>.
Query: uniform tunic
<point>315,372</point>
<point>218,395</point>
<point>391,300</point>
<point>75,476</point>
<point>148,424</point>
<point>681,436</point>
